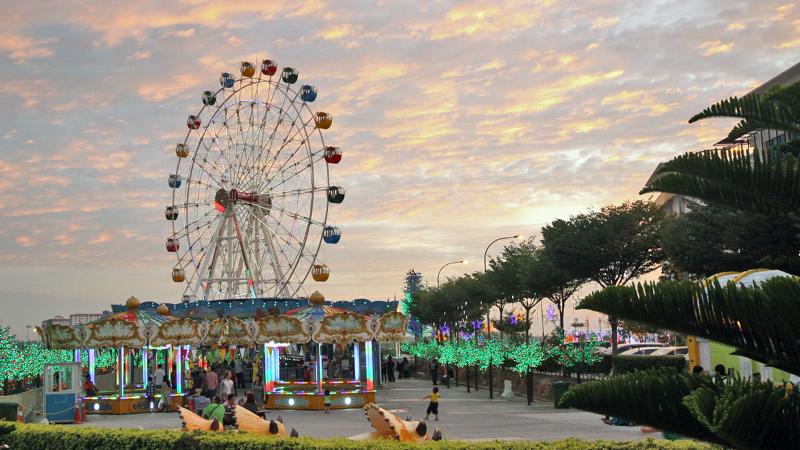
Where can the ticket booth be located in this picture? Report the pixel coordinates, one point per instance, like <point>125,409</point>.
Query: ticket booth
<point>62,391</point>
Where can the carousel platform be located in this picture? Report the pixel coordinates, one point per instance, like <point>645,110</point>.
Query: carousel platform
<point>129,404</point>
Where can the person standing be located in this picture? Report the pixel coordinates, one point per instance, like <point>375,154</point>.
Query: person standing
<point>327,401</point>
<point>390,366</point>
<point>158,377</point>
<point>212,382</point>
<point>434,368</point>
<point>165,403</point>
<point>226,385</point>
<point>433,406</point>
<point>238,369</point>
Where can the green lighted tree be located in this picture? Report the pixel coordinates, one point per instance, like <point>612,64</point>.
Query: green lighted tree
<point>577,355</point>
<point>527,356</point>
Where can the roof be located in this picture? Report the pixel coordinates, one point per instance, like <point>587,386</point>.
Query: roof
<point>249,308</point>
<point>785,78</point>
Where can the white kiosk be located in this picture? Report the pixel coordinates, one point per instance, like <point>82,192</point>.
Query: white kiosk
<point>62,391</point>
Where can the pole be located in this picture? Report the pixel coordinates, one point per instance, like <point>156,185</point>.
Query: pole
<point>488,322</point>
<point>442,268</point>
<point>357,361</point>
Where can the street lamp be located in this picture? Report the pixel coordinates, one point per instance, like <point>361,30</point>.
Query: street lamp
<point>463,261</point>
<point>488,322</point>
<point>486,253</point>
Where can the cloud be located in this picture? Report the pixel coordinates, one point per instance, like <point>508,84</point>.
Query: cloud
<point>184,33</point>
<point>459,121</point>
<point>715,47</point>
<point>22,48</point>
<point>604,22</point>
<point>139,55</point>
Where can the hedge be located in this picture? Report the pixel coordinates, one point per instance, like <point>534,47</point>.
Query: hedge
<point>35,437</point>
<point>625,364</point>
<point>622,364</point>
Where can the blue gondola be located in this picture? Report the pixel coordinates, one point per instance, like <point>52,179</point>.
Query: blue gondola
<point>331,235</point>
<point>226,80</point>
<point>174,181</point>
<point>308,93</point>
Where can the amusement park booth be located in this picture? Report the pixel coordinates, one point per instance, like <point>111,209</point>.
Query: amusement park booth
<point>62,391</point>
<point>708,354</point>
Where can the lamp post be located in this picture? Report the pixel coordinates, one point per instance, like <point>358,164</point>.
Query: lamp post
<point>28,332</point>
<point>463,261</point>
<point>488,322</point>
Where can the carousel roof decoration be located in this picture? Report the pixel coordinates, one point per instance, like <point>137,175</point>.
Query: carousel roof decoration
<point>177,331</point>
<point>63,337</point>
<point>344,327</point>
<point>130,328</point>
<point>391,327</point>
<point>316,309</point>
<point>283,329</point>
<point>229,331</point>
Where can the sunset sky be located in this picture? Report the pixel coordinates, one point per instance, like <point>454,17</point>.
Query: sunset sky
<point>460,122</point>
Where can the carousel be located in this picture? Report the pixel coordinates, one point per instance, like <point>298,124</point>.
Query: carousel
<point>299,354</point>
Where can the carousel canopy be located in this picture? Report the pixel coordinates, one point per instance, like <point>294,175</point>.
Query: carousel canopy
<point>224,323</point>
<point>261,307</point>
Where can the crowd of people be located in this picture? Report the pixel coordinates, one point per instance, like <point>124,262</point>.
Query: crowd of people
<point>389,366</point>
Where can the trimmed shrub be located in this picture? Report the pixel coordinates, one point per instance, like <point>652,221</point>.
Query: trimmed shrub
<point>35,437</point>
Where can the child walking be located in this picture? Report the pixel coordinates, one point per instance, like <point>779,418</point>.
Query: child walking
<point>327,401</point>
<point>433,406</point>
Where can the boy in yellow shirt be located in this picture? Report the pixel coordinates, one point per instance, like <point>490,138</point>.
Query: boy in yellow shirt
<point>433,406</point>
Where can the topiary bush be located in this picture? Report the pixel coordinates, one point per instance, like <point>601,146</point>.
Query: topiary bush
<point>36,437</point>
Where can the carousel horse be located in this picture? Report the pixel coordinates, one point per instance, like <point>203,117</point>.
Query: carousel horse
<point>252,423</point>
<point>389,426</point>
<point>192,421</point>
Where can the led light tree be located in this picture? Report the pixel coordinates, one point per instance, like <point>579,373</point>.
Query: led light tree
<point>578,354</point>
<point>527,356</point>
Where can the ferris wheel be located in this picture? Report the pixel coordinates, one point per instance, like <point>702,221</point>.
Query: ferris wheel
<point>251,191</point>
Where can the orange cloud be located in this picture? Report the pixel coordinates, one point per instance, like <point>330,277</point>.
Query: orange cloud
<point>22,48</point>
<point>715,47</point>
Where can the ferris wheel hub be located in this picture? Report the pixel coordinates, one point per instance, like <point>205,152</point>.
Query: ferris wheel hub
<point>226,198</point>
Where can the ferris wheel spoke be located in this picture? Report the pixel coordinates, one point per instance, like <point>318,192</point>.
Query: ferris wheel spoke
<point>208,158</point>
<point>309,154</point>
<point>193,223</point>
<point>286,141</point>
<point>290,214</point>
<point>268,234</point>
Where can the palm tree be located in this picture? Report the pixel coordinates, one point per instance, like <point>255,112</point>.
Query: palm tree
<point>762,180</point>
<point>761,322</point>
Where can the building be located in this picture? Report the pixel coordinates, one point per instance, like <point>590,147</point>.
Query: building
<point>765,139</point>
<point>74,319</point>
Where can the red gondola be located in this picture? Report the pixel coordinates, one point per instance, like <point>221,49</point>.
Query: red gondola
<point>333,155</point>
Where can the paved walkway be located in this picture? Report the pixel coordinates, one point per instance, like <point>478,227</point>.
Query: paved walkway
<point>463,416</point>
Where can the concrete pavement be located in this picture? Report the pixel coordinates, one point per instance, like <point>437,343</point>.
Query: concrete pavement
<point>462,416</point>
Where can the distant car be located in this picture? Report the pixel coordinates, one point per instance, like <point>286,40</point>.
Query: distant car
<point>624,347</point>
<point>640,351</point>
<point>671,351</point>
